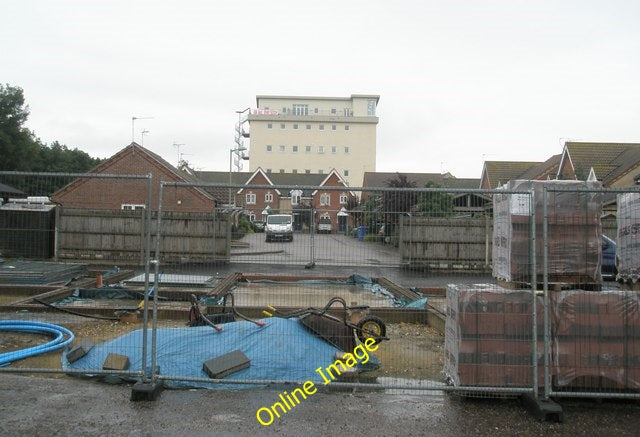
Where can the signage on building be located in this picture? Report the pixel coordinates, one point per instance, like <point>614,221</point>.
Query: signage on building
<point>264,112</point>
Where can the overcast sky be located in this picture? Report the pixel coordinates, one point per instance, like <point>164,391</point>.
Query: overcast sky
<point>459,81</point>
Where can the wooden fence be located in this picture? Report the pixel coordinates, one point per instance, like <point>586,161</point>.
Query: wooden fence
<point>446,243</point>
<point>115,236</point>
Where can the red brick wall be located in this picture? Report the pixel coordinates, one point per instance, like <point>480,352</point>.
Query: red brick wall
<point>91,193</point>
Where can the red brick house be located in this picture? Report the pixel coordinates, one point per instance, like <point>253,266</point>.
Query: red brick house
<point>100,193</point>
<point>333,204</point>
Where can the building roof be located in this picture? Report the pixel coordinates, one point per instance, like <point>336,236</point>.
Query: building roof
<point>358,96</point>
<point>284,179</point>
<point>182,176</point>
<point>609,161</point>
<point>544,170</point>
<point>9,191</point>
<point>498,173</point>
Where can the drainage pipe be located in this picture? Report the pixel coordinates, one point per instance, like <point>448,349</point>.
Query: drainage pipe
<point>57,332</point>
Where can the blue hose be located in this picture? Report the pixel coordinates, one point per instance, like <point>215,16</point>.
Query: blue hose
<point>58,332</point>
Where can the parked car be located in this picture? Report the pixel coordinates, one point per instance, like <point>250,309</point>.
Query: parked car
<point>324,226</point>
<point>609,269</point>
<point>279,227</point>
<point>258,226</point>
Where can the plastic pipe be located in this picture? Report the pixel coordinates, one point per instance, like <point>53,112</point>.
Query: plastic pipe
<point>57,332</point>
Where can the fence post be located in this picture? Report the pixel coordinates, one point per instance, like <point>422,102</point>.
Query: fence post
<point>534,286</point>
<point>545,289</point>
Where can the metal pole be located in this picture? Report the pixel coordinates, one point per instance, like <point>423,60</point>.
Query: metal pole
<point>545,289</point>
<point>147,257</point>
<point>156,262</point>
<point>312,236</point>
<point>534,286</point>
<point>230,168</point>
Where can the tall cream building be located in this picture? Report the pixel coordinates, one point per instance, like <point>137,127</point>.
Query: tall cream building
<point>314,135</point>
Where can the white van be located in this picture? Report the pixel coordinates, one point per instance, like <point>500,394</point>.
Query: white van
<point>324,225</point>
<point>279,227</point>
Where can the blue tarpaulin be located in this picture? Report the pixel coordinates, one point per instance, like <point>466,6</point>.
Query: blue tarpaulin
<point>282,350</point>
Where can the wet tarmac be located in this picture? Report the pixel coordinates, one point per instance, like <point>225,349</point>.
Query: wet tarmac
<point>49,407</point>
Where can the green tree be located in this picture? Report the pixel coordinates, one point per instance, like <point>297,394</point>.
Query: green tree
<point>436,204</point>
<point>18,148</point>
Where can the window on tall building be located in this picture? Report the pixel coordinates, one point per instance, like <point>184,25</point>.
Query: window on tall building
<point>371,107</point>
<point>268,170</point>
<point>307,171</point>
<point>334,149</point>
<point>295,125</point>
<point>307,149</point>
<point>308,127</point>
<point>250,199</point>
<point>268,197</point>
<point>321,127</point>
<point>294,171</point>
<point>269,125</point>
<point>294,149</point>
<point>320,171</point>
<point>269,148</point>
<point>333,127</point>
<point>343,199</point>
<point>347,112</point>
<point>300,109</point>
<point>325,199</point>
<point>315,110</point>
<point>346,127</point>
<point>346,149</point>
<point>282,126</point>
<point>281,148</point>
<point>320,149</point>
<point>346,172</point>
<point>333,110</point>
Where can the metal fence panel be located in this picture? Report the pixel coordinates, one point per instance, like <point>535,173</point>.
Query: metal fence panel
<point>66,243</point>
<point>396,256</point>
<point>592,334</point>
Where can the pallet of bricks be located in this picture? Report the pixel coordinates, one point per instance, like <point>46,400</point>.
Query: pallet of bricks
<point>489,337</point>
<point>574,234</point>
<point>594,338</point>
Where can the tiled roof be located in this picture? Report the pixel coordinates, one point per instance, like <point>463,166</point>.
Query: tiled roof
<point>501,172</point>
<point>549,168</point>
<point>608,160</point>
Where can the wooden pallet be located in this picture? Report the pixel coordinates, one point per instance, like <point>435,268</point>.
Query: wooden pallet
<point>553,285</point>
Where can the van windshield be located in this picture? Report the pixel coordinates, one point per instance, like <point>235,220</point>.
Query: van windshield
<point>279,219</point>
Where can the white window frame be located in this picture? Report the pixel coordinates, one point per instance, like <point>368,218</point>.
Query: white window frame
<point>294,149</point>
<point>346,172</point>
<point>346,150</point>
<point>343,199</point>
<point>320,149</point>
<point>132,206</point>
<point>325,199</point>
<point>334,149</point>
<point>269,148</point>
<point>321,127</point>
<point>269,125</point>
<point>268,197</point>
<point>250,199</point>
<point>307,149</point>
<point>282,148</point>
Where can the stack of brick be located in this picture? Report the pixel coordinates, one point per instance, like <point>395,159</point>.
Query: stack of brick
<point>597,340</point>
<point>488,337</point>
<point>574,231</point>
<point>628,237</point>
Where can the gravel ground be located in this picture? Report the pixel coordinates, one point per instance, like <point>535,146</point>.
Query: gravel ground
<point>67,406</point>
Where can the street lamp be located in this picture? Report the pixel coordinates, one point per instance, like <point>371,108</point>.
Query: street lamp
<point>231,151</point>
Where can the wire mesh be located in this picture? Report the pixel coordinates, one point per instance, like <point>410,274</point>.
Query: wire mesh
<point>66,243</point>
